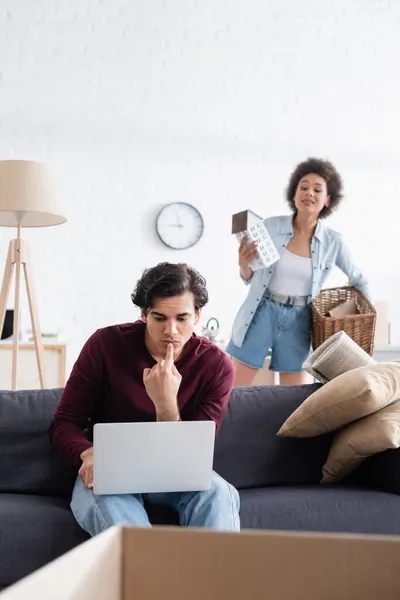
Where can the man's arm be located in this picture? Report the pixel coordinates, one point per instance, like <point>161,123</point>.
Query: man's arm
<point>78,401</point>
<point>216,397</point>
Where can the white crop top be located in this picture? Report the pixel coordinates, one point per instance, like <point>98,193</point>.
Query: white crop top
<point>292,275</point>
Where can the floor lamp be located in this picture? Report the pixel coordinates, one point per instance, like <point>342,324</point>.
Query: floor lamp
<point>28,198</point>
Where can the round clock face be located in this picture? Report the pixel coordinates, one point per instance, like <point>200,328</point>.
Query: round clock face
<point>179,225</point>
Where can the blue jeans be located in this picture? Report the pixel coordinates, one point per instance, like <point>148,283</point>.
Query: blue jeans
<point>286,330</point>
<point>216,508</point>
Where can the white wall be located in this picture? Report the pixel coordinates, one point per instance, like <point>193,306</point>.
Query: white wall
<point>136,104</point>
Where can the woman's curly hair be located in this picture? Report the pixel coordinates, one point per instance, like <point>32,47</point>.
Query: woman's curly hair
<point>324,169</point>
<point>166,280</point>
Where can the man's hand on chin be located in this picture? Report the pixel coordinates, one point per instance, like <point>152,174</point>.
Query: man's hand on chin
<point>162,384</point>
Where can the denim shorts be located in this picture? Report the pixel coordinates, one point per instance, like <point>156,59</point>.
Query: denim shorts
<point>280,330</point>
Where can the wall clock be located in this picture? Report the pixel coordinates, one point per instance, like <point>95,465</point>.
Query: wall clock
<point>179,225</point>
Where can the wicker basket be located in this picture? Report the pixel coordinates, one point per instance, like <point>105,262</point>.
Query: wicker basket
<point>359,327</point>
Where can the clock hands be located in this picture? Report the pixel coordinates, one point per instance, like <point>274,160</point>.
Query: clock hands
<point>178,218</point>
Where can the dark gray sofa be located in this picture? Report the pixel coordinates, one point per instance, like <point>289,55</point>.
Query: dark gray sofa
<point>277,478</point>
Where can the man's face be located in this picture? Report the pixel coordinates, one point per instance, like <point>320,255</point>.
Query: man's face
<point>170,320</point>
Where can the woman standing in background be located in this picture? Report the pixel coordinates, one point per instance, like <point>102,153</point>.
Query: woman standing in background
<point>276,314</point>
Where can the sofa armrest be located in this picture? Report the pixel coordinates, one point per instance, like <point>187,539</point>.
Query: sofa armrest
<point>380,471</point>
<point>385,471</point>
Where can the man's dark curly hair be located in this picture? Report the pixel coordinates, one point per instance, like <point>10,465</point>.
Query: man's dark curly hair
<point>324,169</point>
<point>166,280</point>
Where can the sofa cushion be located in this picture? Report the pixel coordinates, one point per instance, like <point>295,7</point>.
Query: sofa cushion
<point>28,463</point>
<point>345,399</point>
<point>320,508</point>
<point>357,441</point>
<point>248,452</point>
<point>34,531</point>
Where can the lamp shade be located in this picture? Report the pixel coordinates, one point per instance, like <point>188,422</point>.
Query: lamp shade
<point>28,196</point>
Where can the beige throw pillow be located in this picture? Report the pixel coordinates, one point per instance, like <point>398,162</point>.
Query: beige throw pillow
<point>348,397</point>
<point>368,436</point>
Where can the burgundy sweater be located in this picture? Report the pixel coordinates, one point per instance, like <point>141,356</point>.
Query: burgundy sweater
<point>106,385</point>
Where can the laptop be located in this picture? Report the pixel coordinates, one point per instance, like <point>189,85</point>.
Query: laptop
<point>155,457</point>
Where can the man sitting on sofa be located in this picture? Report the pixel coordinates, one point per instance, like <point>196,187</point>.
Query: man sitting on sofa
<point>133,372</point>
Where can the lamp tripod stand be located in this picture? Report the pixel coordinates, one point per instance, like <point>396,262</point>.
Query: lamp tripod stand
<point>17,257</point>
<point>28,198</point>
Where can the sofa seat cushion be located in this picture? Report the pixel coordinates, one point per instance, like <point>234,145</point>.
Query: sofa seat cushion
<point>34,530</point>
<point>320,508</point>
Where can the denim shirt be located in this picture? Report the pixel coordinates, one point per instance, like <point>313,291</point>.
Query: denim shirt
<point>327,251</point>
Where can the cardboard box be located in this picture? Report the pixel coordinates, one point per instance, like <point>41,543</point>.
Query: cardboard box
<point>172,563</point>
